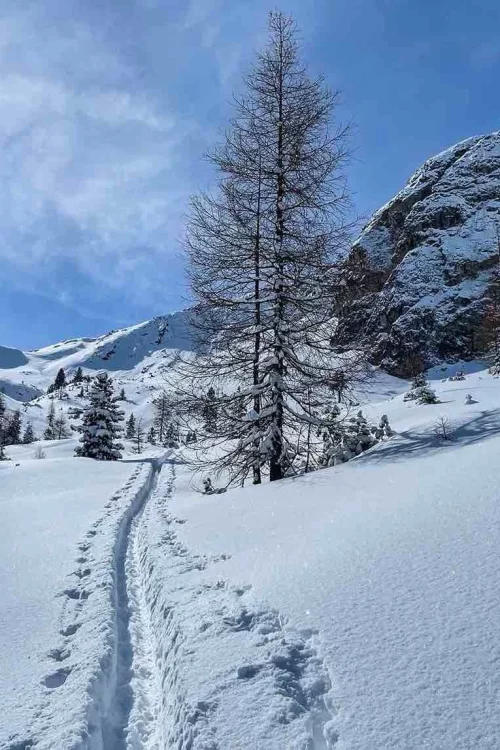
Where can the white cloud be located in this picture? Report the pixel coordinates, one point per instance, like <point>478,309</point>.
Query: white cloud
<point>82,159</point>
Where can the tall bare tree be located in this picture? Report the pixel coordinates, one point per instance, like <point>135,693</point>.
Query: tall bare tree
<point>261,253</point>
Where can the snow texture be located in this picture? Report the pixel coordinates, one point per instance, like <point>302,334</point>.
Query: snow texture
<point>353,608</point>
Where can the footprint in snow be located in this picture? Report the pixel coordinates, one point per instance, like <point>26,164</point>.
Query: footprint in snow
<point>247,671</point>
<point>71,629</point>
<point>76,594</point>
<point>56,679</point>
<point>59,654</point>
<point>82,573</point>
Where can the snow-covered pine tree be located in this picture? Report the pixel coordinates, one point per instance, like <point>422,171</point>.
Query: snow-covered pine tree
<point>172,435</point>
<point>260,255</point>
<point>427,395</point>
<point>121,395</point>
<point>50,430</point>
<point>101,423</point>
<point>151,436</point>
<point>13,428</point>
<point>130,428</point>
<point>384,429</point>
<point>78,376</point>
<point>29,435</point>
<point>421,391</point>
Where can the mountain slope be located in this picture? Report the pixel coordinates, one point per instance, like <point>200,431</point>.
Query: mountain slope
<point>416,280</point>
<point>141,359</point>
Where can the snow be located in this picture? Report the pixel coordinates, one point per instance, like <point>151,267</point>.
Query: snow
<point>390,561</point>
<point>353,608</point>
<point>48,508</point>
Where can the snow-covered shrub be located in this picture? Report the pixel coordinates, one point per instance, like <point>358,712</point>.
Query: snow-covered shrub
<point>427,396</point>
<point>469,400</point>
<point>384,428</point>
<point>421,392</point>
<point>39,453</point>
<point>460,375</point>
<point>351,438</point>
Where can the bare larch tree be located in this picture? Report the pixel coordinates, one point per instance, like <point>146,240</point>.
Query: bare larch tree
<point>261,254</point>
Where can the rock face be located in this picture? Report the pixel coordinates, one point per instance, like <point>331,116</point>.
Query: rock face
<point>415,284</point>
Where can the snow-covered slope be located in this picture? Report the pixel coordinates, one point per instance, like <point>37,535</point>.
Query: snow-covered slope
<point>141,359</point>
<point>354,608</point>
<point>417,277</point>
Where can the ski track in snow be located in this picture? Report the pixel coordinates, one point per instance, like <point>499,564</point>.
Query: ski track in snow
<point>219,671</point>
<point>84,695</point>
<point>171,657</point>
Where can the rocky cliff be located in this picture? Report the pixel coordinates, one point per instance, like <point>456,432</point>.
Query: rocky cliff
<point>415,284</point>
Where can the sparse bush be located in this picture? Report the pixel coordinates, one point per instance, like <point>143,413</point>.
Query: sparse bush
<point>39,453</point>
<point>442,428</point>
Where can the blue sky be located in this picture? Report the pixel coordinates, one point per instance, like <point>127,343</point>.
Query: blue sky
<point>107,108</point>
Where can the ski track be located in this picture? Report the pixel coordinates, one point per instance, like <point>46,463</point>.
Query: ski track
<point>221,671</point>
<point>115,721</point>
<point>186,660</point>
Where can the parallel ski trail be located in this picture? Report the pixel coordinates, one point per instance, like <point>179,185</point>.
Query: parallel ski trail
<point>144,729</point>
<point>115,722</point>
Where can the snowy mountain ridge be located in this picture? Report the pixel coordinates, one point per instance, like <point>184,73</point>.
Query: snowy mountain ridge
<point>140,359</point>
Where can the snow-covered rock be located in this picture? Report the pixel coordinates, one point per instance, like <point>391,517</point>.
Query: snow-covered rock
<point>416,279</point>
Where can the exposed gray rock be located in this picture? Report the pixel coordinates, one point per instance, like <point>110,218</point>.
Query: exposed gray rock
<point>416,280</point>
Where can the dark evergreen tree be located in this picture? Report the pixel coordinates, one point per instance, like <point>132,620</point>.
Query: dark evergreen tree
<point>171,435</point>
<point>59,384</point>
<point>209,411</point>
<point>13,429</point>
<point>3,415</point>
<point>78,376</point>
<point>3,410</point>
<point>101,423</point>
<point>50,430</point>
<point>130,428</point>
<point>121,395</point>
<point>29,435</point>
<point>151,437</point>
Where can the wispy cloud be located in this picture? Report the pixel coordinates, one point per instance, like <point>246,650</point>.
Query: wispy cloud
<point>105,111</point>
